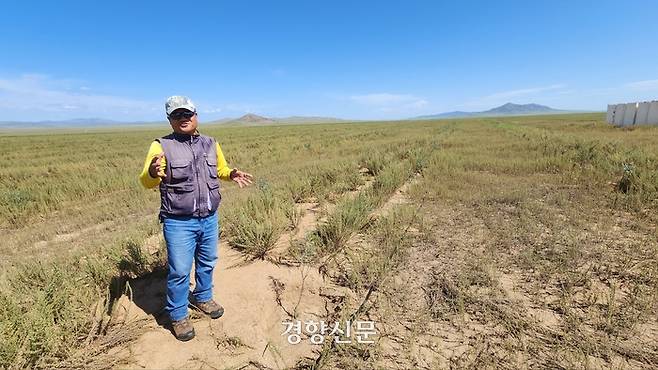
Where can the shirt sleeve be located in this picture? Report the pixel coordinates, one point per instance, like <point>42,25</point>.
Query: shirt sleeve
<point>145,178</point>
<point>223,170</point>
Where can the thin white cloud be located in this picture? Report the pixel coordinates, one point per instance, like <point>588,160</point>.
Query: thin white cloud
<point>390,105</point>
<point>643,85</point>
<point>419,104</point>
<point>36,96</point>
<point>212,110</point>
<point>522,92</point>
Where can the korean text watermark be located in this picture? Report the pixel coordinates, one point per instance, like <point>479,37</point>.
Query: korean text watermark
<point>317,331</point>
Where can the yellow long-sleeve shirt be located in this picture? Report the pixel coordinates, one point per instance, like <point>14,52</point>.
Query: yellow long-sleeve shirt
<point>223,170</point>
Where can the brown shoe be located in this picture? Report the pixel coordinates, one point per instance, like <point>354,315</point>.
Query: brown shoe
<point>183,329</point>
<point>210,308</point>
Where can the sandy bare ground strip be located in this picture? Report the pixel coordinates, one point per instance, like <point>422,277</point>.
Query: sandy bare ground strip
<point>249,331</point>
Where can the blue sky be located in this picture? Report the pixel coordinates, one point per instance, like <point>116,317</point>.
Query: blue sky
<point>351,59</point>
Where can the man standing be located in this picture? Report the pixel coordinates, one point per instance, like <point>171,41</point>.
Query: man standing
<point>187,167</point>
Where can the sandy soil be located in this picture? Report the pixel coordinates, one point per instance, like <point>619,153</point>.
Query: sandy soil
<point>249,335</point>
<point>258,297</point>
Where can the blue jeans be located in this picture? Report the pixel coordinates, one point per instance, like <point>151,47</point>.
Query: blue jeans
<point>189,238</point>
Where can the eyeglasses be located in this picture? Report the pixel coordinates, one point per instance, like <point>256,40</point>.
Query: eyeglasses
<point>182,114</point>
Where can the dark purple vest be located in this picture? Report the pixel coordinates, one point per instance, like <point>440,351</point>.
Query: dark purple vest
<point>191,187</point>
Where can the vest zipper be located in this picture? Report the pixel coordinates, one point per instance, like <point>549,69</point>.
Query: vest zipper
<point>196,176</point>
<point>206,180</point>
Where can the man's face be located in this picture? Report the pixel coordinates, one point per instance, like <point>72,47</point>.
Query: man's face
<point>183,121</point>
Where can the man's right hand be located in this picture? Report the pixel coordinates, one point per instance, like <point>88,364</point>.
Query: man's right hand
<point>157,167</point>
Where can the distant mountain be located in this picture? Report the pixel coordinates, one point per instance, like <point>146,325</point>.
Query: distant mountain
<point>251,118</point>
<point>509,109</point>
<point>512,109</point>
<point>309,119</point>
<point>455,114</point>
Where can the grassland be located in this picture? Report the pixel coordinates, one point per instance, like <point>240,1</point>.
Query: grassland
<point>525,241</point>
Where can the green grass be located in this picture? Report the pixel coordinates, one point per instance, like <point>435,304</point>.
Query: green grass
<point>48,309</point>
<point>563,207</point>
<point>255,225</point>
<point>73,218</point>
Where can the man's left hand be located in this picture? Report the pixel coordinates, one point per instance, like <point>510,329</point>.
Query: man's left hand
<point>242,178</point>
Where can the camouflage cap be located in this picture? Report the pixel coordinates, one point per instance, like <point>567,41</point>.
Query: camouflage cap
<point>176,102</point>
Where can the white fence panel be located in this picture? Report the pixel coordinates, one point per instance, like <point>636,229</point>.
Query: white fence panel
<point>619,114</point>
<point>629,114</point>
<point>610,117</point>
<point>652,116</point>
<point>642,115</point>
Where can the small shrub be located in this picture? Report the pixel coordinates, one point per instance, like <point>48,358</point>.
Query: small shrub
<point>375,162</point>
<point>370,266</point>
<point>353,180</point>
<point>628,177</point>
<point>299,188</point>
<point>255,225</point>
<point>419,158</point>
<point>349,216</point>
<point>442,294</point>
<point>293,214</point>
<point>136,262</point>
<point>388,181</point>
<point>306,250</point>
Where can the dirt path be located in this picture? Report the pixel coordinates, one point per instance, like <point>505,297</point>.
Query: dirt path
<point>258,297</point>
<point>250,330</point>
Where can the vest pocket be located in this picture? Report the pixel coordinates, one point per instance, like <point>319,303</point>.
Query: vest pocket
<point>213,194</point>
<point>180,198</point>
<point>212,167</point>
<point>180,171</point>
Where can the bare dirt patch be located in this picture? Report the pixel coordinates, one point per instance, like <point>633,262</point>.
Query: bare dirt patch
<point>250,330</point>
